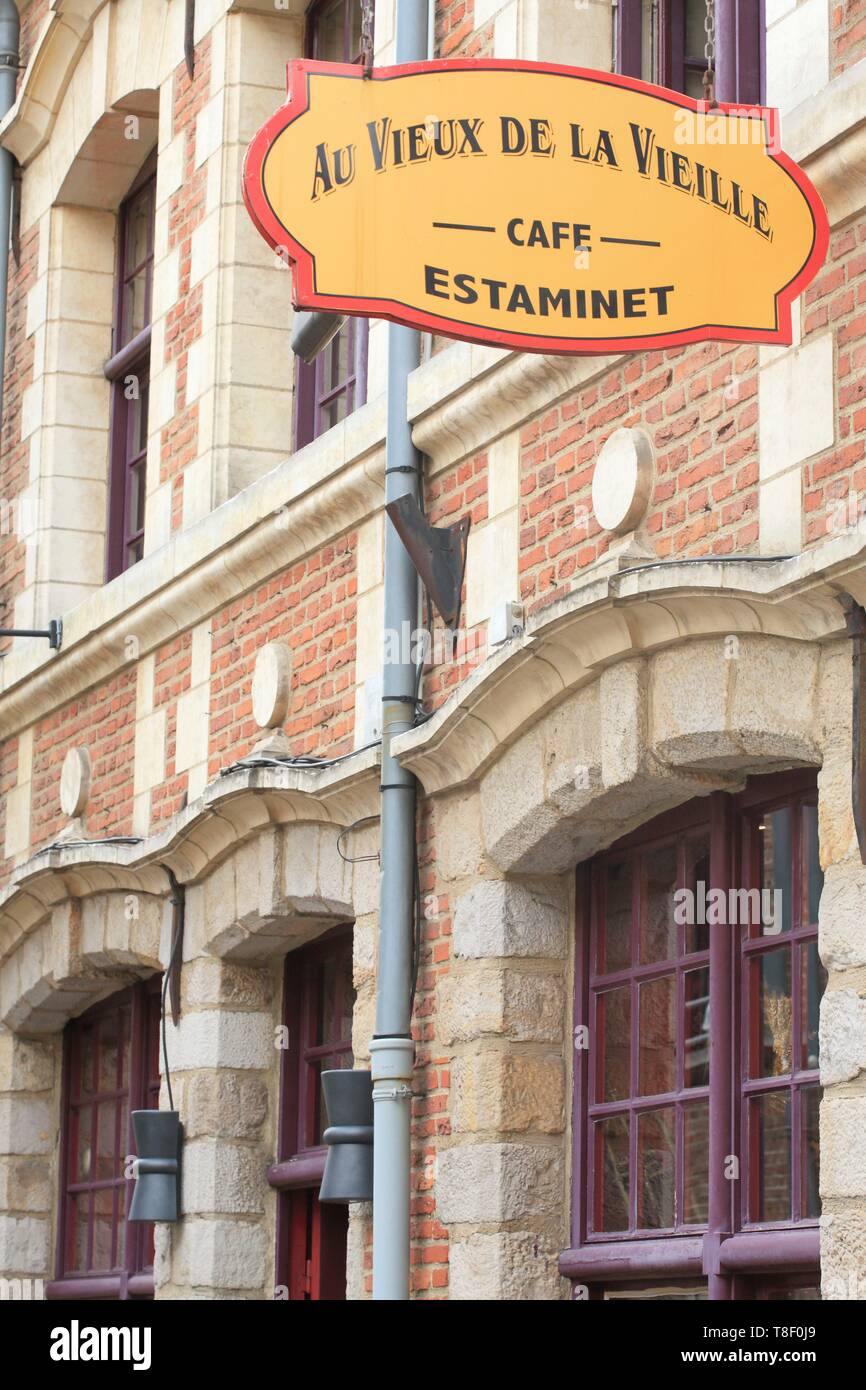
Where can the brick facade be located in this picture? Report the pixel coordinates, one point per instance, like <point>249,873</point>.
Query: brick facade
<point>540,751</point>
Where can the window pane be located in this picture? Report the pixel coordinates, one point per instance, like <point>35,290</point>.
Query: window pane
<point>770,1156</point>
<point>696,1153</point>
<point>84,1121</point>
<point>770,1013</point>
<point>656,1160</point>
<point>106,1120</point>
<point>697,1027</point>
<point>324,1029</point>
<point>810,1199</point>
<point>611,1172</point>
<point>135,315</point>
<point>316,1067</point>
<point>79,1218</point>
<point>138,218</point>
<point>331,33</point>
<point>696,11</point>
<point>812,875</point>
<point>88,1060</point>
<point>614,1031</point>
<point>649,69</point>
<point>103,1228</point>
<point>694,84</point>
<point>109,1042</point>
<point>698,882</point>
<point>814,984</point>
<point>614,946</point>
<point>658,1036</point>
<point>775,833</point>
<point>658,928</point>
<point>336,358</point>
<point>136,499</point>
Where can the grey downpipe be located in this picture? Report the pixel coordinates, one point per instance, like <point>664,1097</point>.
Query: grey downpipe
<point>10,29</point>
<point>392,1050</point>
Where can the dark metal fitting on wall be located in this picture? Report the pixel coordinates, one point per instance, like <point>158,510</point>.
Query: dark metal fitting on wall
<point>158,1137</point>
<point>348,1173</point>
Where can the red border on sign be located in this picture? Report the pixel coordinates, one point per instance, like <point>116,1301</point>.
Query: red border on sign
<point>306,296</point>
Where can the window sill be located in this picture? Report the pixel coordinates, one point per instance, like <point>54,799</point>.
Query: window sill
<point>100,1286</point>
<point>748,1252</point>
<point>307,1170</point>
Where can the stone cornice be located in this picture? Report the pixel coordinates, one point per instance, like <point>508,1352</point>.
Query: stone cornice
<point>466,397</point>
<point>827,135</point>
<point>230,811</point>
<point>626,614</point>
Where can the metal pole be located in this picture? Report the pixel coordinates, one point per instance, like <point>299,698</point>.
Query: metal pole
<point>10,27</point>
<point>392,1049</point>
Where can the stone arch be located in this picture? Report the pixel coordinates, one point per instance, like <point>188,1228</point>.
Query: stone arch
<point>89,57</point>
<point>281,889</point>
<point>82,951</point>
<point>647,734</point>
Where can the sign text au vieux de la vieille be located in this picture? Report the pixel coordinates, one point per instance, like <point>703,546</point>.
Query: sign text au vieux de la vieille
<point>535,207</point>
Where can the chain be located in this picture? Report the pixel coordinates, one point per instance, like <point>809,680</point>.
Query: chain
<point>367,35</point>
<point>710,54</point>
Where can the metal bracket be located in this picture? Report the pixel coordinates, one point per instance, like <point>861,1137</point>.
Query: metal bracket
<point>393,1093</point>
<point>855,622</point>
<point>54,632</point>
<point>437,552</point>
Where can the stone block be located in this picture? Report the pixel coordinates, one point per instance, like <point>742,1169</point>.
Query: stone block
<point>221,1255</point>
<point>500,917</point>
<point>224,1104</point>
<point>842,1036</point>
<point>222,1177</point>
<point>504,1266</point>
<point>499,1182</point>
<point>508,1093</point>
<point>843,1146</point>
<point>477,1000</point>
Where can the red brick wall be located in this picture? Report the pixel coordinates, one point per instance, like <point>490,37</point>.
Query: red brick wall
<point>457,492</point>
<point>312,608</point>
<point>32,19</point>
<point>171,678</point>
<point>430,1107</point>
<point>103,722</point>
<point>8,780</point>
<point>179,441</point>
<point>835,481</point>
<point>456,35</point>
<point>847,34</point>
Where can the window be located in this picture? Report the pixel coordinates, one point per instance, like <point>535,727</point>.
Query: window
<point>110,1068</point>
<point>699,985</point>
<point>330,388</point>
<point>663,41</point>
<point>128,370</point>
<point>319,1000</point>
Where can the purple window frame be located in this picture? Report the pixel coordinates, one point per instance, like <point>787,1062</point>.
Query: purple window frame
<point>736,1253</point>
<point>740,47</point>
<point>136,1012</point>
<point>311,1238</point>
<point>130,358</point>
<point>321,386</point>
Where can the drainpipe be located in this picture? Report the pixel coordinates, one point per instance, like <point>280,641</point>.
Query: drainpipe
<point>10,28</point>
<point>392,1050</point>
